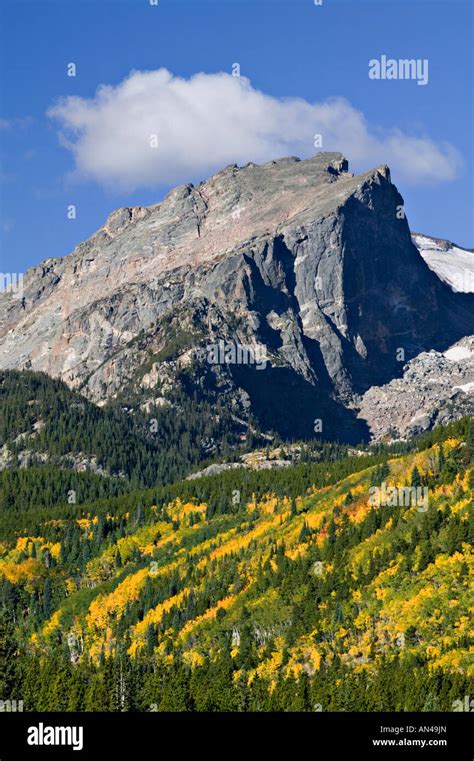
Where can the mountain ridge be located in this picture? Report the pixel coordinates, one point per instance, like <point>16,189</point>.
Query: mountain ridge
<point>300,258</point>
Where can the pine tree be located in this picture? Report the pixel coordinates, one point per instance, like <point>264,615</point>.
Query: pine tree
<point>415,478</point>
<point>151,639</point>
<point>441,458</point>
<point>305,533</point>
<point>469,451</point>
<point>47,597</point>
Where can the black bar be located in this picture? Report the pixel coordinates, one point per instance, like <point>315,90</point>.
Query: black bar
<point>139,735</point>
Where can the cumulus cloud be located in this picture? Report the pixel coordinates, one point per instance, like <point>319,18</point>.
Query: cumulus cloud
<point>154,129</point>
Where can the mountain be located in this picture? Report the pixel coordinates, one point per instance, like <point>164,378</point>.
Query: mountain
<point>332,586</point>
<point>436,388</point>
<point>453,265</point>
<point>299,278</point>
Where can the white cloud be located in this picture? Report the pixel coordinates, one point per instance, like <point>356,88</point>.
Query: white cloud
<point>210,120</point>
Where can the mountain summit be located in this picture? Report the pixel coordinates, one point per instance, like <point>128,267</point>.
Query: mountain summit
<point>299,259</point>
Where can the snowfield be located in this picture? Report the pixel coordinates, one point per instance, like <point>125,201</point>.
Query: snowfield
<point>466,387</point>
<point>457,353</point>
<point>452,264</point>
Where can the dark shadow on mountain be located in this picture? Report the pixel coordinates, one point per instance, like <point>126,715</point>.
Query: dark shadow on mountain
<point>284,402</point>
<point>393,300</point>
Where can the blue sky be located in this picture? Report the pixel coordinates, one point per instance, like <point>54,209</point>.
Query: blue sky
<point>286,48</point>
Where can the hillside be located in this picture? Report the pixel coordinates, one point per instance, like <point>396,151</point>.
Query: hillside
<point>44,423</point>
<point>296,590</point>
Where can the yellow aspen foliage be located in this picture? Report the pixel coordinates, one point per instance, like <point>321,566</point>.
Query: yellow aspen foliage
<point>240,542</point>
<point>210,613</point>
<point>193,659</point>
<point>461,505</point>
<point>179,510</point>
<point>432,651</point>
<point>304,657</point>
<point>55,549</point>
<point>463,625</point>
<point>213,541</point>
<point>154,616</point>
<point>70,586</point>
<point>314,520</point>
<point>451,443</point>
<point>456,660</point>
<point>29,570</point>
<point>84,523</point>
<point>269,668</point>
<point>358,511</point>
<point>104,605</point>
<point>23,542</point>
<point>53,623</point>
<point>466,479</point>
<point>268,505</point>
<point>297,552</point>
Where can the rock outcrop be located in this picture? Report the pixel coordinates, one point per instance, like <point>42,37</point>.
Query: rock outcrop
<point>299,259</point>
<point>435,389</point>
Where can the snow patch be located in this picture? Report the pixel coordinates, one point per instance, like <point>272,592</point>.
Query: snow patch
<point>456,353</point>
<point>452,264</point>
<point>466,387</point>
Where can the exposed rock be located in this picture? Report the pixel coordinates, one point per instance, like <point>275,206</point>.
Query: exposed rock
<point>214,469</point>
<point>26,458</point>
<point>435,389</point>
<point>300,258</point>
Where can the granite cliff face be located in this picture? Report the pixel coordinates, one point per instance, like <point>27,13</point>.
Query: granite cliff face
<point>299,259</point>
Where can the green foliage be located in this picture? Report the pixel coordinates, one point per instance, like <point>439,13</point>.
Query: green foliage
<point>177,597</point>
<point>42,415</point>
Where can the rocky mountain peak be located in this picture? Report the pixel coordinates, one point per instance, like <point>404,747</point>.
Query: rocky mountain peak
<point>303,259</point>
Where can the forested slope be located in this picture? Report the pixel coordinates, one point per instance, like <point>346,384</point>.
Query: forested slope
<point>238,593</point>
